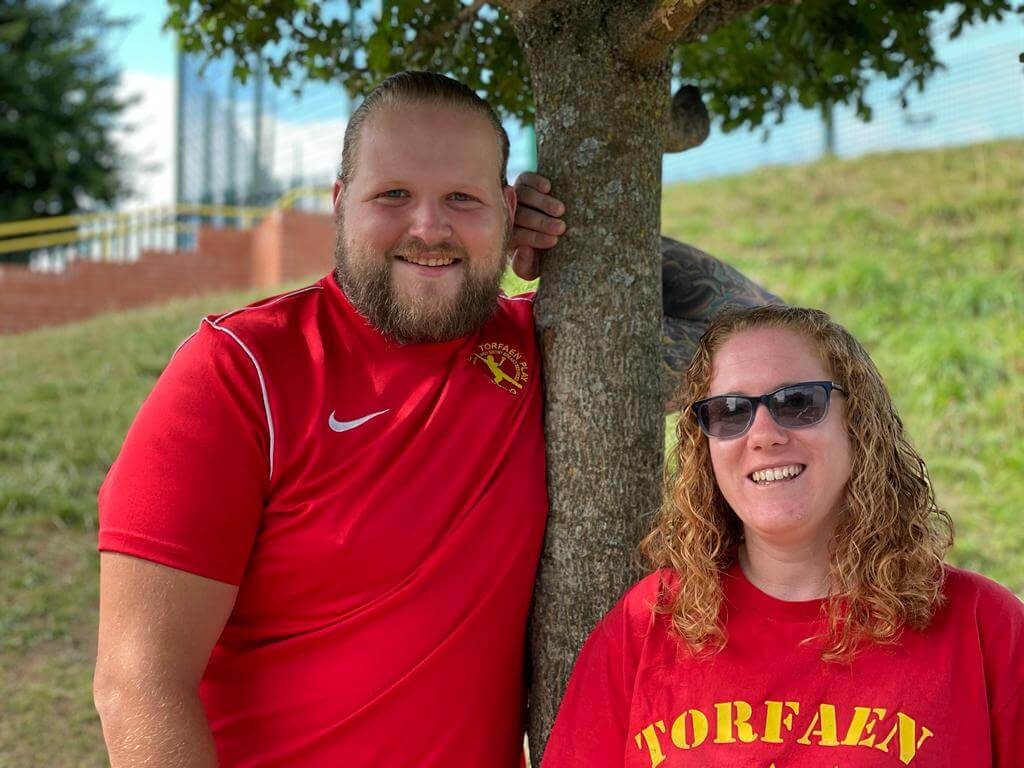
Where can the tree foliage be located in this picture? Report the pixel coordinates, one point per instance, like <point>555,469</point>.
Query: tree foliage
<point>817,53</point>
<point>750,59</point>
<point>345,43</point>
<point>59,109</point>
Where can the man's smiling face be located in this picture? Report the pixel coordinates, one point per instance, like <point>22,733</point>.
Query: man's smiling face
<point>423,222</point>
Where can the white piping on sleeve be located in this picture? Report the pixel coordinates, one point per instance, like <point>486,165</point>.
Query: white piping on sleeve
<point>183,343</point>
<point>263,385</point>
<point>271,303</point>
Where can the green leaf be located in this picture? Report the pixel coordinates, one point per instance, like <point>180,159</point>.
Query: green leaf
<point>378,50</point>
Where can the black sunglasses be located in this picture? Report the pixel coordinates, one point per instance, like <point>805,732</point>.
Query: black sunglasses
<point>793,407</point>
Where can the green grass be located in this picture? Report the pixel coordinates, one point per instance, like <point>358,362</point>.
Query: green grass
<point>920,255</point>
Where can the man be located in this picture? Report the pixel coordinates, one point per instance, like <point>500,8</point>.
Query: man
<point>319,539</point>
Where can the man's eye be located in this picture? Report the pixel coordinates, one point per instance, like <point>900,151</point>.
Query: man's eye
<point>461,197</point>
<point>394,194</point>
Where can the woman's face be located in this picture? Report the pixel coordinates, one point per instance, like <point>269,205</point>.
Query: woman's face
<point>796,511</point>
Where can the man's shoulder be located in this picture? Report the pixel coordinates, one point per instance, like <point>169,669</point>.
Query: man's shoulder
<point>515,310</point>
<point>265,333</point>
<point>516,297</point>
<point>519,304</point>
<point>274,316</point>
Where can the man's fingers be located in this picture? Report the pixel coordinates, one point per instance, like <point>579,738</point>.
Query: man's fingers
<point>537,224</point>
<point>534,181</point>
<point>533,190</point>
<point>531,238</point>
<point>525,263</point>
<point>528,218</point>
<point>534,199</point>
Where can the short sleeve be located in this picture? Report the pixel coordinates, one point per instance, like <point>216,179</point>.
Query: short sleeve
<point>1008,732</point>
<point>1001,617</point>
<point>590,729</point>
<point>188,487</point>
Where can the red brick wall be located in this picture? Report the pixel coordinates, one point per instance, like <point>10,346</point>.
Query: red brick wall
<point>307,245</point>
<point>285,246</point>
<point>265,254</point>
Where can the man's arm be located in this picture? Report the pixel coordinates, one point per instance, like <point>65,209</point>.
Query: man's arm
<point>158,626</point>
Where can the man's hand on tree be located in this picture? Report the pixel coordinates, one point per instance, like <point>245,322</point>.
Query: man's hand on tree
<point>537,226</point>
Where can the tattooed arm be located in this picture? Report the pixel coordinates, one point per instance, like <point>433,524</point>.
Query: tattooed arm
<point>695,286</point>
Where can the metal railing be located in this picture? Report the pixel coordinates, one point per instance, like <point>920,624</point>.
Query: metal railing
<point>49,244</point>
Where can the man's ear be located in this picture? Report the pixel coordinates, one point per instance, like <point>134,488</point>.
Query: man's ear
<point>337,191</point>
<point>509,194</point>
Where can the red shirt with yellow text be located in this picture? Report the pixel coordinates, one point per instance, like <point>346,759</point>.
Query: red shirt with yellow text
<point>381,508</point>
<point>951,696</point>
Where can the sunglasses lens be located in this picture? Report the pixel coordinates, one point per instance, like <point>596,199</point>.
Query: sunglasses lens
<point>798,406</point>
<point>724,416</point>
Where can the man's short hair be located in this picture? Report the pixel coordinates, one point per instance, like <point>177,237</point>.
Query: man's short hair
<point>417,87</point>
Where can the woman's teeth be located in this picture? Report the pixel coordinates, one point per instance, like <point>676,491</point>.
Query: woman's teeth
<point>776,473</point>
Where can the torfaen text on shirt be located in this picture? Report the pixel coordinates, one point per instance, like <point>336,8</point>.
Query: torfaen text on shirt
<point>734,722</point>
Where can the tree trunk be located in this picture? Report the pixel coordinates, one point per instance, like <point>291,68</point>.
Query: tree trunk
<point>601,131</point>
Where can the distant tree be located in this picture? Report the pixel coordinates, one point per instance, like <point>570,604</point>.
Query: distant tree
<point>59,109</point>
<point>595,77</point>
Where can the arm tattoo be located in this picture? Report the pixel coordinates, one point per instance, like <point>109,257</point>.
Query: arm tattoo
<point>695,286</point>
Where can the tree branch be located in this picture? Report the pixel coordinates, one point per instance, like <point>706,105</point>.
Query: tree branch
<point>689,123</point>
<point>455,23</point>
<point>720,14</point>
<point>648,32</point>
<point>519,7</point>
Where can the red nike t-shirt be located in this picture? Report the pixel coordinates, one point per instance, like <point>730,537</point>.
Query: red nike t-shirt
<point>951,696</point>
<point>381,508</point>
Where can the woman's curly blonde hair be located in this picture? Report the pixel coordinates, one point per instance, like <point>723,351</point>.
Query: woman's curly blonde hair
<point>886,555</point>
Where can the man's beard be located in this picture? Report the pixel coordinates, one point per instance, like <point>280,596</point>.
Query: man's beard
<point>423,318</point>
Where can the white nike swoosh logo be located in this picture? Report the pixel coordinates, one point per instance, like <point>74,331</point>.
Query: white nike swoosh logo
<point>344,426</point>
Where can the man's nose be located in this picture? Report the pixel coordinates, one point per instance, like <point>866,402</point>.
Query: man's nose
<point>765,432</point>
<point>430,223</point>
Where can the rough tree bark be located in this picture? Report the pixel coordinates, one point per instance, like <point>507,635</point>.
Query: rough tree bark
<point>602,118</point>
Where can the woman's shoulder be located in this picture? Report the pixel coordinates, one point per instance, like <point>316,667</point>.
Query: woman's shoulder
<point>978,607</point>
<point>654,589</point>
<point>639,617</point>
<point>636,610</point>
<point>967,590</point>
<point>984,615</point>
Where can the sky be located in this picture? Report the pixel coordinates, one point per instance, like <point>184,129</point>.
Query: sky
<point>143,46</point>
<point>145,55</point>
<point>980,96</point>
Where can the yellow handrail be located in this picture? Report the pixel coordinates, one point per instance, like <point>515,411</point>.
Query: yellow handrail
<point>287,200</point>
<point>55,223</point>
<point>47,232</point>
<point>103,236</point>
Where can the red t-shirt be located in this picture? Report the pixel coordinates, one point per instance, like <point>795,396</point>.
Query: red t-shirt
<point>381,508</point>
<point>952,695</point>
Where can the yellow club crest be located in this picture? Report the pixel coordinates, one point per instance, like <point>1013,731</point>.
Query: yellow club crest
<point>504,365</point>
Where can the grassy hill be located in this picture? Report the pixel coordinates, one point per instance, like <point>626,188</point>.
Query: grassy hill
<point>921,255</point>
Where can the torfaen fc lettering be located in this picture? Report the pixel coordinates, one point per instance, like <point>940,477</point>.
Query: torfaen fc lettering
<point>778,722</point>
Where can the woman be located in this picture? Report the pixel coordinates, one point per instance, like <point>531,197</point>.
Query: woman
<point>800,613</point>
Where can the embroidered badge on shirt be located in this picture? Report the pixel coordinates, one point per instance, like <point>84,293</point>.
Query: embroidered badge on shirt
<point>503,364</point>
